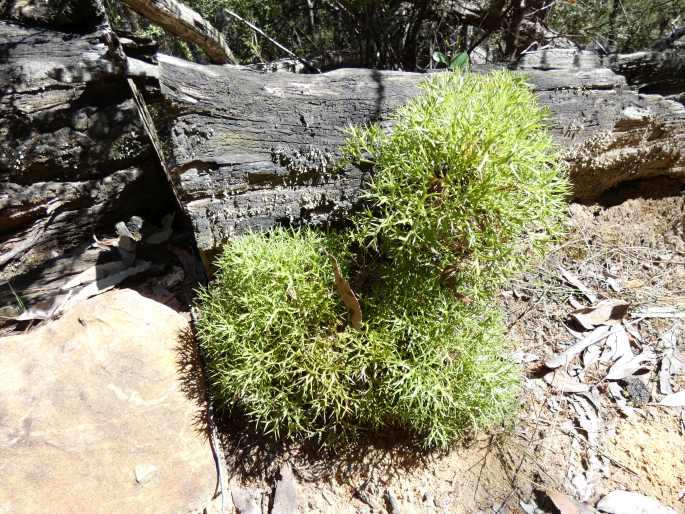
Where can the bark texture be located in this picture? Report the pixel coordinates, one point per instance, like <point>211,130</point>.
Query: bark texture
<point>182,21</point>
<point>660,72</point>
<point>74,158</point>
<point>248,150</point>
<point>82,146</point>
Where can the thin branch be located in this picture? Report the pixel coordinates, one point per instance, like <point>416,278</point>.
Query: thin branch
<point>674,36</point>
<point>273,41</point>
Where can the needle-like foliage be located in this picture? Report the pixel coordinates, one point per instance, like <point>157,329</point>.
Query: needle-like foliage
<point>466,188</point>
<point>467,181</point>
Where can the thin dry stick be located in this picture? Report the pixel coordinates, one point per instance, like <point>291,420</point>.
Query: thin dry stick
<point>600,452</point>
<point>214,436</point>
<point>520,464</point>
<point>273,41</point>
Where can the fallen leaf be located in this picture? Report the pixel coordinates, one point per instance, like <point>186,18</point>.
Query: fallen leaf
<point>524,357</point>
<point>606,312</point>
<point>93,273</point>
<point>628,502</point>
<point>617,348</point>
<point>613,284</point>
<point>348,297</point>
<point>164,233</point>
<point>567,504</point>
<point>47,309</point>
<point>597,335</point>
<point>668,311</point>
<point>588,418</point>
<point>633,331</point>
<point>674,400</point>
<point>575,303</point>
<point>617,394</point>
<point>575,282</point>
<point>665,376</point>
<point>591,355</point>
<point>562,382</point>
<point>626,367</point>
<point>105,284</point>
<point>582,485</point>
<point>528,508</point>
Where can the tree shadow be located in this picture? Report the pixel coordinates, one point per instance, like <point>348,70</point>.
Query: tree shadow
<point>652,188</point>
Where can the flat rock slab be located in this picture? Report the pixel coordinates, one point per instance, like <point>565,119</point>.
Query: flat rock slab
<point>95,416</point>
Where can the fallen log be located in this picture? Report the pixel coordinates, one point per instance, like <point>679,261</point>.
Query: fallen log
<point>180,20</point>
<point>243,150</point>
<point>249,150</point>
<point>74,158</point>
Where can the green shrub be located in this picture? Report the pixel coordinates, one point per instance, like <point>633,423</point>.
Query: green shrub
<point>465,188</point>
<point>275,334</point>
<point>467,182</point>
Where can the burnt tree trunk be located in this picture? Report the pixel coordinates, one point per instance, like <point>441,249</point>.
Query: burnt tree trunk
<point>74,156</point>
<point>180,20</point>
<point>248,150</point>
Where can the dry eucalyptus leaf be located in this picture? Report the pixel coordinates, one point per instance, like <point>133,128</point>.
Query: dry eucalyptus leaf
<point>617,394</point>
<point>348,297</point>
<point>575,303</point>
<point>524,357</point>
<point>674,400</point>
<point>567,504</point>
<point>93,273</point>
<point>591,355</point>
<point>43,310</point>
<point>667,311</point>
<point>562,382</point>
<point>613,284</point>
<point>606,312</point>
<point>626,367</point>
<point>164,233</point>
<point>575,282</point>
<point>106,283</point>
<point>594,337</point>
<point>665,376</point>
<point>627,502</point>
<point>588,418</point>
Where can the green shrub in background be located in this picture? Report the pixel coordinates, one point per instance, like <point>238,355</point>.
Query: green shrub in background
<point>465,189</point>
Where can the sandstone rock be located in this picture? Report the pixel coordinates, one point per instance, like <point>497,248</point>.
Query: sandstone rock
<point>95,413</point>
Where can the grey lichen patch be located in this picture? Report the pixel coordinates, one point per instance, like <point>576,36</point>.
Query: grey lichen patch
<point>305,160</point>
<point>128,146</point>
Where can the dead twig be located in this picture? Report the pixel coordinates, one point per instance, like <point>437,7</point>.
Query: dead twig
<point>273,41</point>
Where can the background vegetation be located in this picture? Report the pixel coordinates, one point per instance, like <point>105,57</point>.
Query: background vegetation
<point>403,34</point>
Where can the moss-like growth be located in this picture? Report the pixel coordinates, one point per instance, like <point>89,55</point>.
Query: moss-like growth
<point>467,182</point>
<point>465,188</point>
